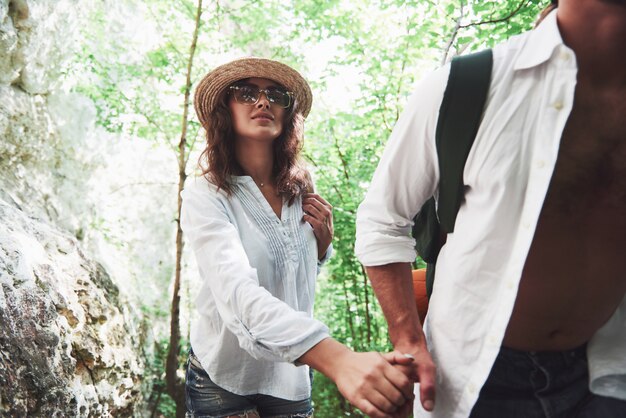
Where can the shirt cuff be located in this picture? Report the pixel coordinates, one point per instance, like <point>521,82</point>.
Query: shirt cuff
<point>329,253</point>
<point>309,343</point>
<point>605,352</point>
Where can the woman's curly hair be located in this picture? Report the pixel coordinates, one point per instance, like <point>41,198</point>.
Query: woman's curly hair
<point>218,161</point>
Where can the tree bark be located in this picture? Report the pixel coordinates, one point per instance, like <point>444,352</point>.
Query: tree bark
<point>175,387</point>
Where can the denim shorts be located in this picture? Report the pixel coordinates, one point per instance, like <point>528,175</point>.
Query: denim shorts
<point>204,399</point>
<point>549,384</point>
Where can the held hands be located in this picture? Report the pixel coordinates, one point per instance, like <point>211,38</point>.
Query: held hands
<point>319,214</point>
<point>415,370</point>
<point>422,369</point>
<point>372,384</point>
<point>367,380</point>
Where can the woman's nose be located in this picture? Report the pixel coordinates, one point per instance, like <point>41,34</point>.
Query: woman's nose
<point>263,101</point>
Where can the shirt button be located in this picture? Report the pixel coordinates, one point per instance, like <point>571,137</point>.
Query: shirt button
<point>558,105</point>
<point>493,340</point>
<point>510,284</point>
<point>565,56</point>
<point>471,388</point>
<point>541,164</point>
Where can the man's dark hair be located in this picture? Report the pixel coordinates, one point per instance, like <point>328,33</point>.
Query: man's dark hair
<point>553,5</point>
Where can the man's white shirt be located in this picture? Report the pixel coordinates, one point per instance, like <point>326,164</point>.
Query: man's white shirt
<point>508,172</point>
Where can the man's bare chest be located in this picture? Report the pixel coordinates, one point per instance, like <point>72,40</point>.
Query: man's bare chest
<point>591,164</point>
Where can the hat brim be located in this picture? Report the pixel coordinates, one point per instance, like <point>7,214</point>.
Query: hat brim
<point>215,82</point>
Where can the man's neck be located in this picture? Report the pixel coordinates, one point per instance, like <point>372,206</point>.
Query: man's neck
<point>596,31</point>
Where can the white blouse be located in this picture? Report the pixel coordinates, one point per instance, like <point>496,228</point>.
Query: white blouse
<point>255,303</point>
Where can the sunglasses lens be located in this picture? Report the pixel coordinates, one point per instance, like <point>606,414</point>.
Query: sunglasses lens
<point>246,95</point>
<point>281,98</point>
<point>250,95</point>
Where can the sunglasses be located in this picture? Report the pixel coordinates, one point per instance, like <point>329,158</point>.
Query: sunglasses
<point>250,95</point>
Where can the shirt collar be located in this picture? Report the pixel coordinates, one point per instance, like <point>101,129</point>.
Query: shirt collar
<point>240,179</point>
<point>541,43</point>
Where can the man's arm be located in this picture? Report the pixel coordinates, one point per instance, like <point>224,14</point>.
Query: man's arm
<point>393,286</point>
<point>406,177</point>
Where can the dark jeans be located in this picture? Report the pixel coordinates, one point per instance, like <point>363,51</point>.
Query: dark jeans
<point>526,384</point>
<point>205,399</point>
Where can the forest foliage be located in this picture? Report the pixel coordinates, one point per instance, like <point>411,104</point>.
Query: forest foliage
<point>362,59</point>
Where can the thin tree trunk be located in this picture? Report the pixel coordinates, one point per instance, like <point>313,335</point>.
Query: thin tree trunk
<point>368,321</point>
<point>175,388</point>
<point>350,321</point>
<point>358,302</point>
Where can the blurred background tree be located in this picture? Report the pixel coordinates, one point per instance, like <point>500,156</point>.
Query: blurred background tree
<point>138,60</point>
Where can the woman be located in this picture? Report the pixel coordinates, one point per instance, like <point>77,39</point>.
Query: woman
<point>260,235</point>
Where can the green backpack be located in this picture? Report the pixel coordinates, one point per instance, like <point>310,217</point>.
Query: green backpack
<point>460,115</point>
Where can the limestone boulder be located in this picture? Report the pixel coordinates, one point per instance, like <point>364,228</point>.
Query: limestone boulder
<point>68,346</point>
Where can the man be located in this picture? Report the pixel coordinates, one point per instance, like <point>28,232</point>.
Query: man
<point>528,310</point>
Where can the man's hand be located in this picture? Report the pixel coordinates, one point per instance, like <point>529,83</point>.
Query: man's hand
<point>420,368</point>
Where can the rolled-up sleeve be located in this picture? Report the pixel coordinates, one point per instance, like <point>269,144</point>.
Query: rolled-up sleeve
<point>407,175</point>
<point>266,327</point>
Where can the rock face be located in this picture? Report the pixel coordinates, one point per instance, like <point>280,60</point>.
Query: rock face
<point>67,346</point>
<point>45,132</point>
<point>36,37</point>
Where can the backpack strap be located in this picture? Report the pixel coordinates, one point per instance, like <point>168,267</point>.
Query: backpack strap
<point>459,118</point>
<point>460,115</point>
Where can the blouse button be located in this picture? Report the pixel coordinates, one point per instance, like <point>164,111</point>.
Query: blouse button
<point>471,388</point>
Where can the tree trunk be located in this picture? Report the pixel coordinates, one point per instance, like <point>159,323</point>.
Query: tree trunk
<point>175,387</point>
<point>368,321</point>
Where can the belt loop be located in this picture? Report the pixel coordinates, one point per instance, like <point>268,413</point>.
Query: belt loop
<point>195,362</point>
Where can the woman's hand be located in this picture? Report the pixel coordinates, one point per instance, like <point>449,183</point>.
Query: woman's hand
<point>319,214</point>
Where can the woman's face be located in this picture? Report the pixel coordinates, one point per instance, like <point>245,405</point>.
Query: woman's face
<point>260,121</point>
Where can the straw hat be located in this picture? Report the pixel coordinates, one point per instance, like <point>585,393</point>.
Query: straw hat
<point>215,82</point>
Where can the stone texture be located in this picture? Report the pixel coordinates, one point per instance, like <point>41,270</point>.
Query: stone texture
<point>67,343</point>
<point>35,40</point>
<point>9,69</point>
<point>69,340</point>
<point>48,139</point>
